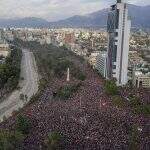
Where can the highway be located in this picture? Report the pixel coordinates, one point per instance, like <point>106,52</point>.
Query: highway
<point>28,86</point>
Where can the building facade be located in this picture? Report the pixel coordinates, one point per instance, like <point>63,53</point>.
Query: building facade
<point>93,58</point>
<point>101,63</point>
<point>141,80</point>
<point>118,28</point>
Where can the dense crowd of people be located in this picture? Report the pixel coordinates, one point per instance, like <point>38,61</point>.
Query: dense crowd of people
<point>86,121</point>
<point>142,94</point>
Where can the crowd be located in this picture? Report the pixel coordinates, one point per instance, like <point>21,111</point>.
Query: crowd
<point>142,94</point>
<point>87,120</point>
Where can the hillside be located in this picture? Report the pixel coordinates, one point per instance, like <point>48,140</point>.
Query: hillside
<point>140,17</point>
<point>24,22</point>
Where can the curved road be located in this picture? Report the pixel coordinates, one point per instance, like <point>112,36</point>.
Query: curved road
<point>28,86</point>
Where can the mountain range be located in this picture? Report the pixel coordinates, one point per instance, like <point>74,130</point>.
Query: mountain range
<point>140,16</point>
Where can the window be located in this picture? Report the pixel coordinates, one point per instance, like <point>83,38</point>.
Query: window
<point>114,55</point>
<point>114,66</point>
<point>116,34</point>
<point>117,19</point>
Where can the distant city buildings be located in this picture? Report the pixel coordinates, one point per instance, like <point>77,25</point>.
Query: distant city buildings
<point>109,56</point>
<point>4,49</point>
<point>4,46</point>
<point>135,59</point>
<point>118,28</point>
<point>69,38</point>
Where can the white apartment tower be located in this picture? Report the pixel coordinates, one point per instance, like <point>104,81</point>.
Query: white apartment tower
<point>101,63</point>
<point>118,28</point>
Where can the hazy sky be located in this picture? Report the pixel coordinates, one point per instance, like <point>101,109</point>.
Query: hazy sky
<point>55,9</point>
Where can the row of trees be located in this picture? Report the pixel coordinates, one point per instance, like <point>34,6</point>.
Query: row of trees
<point>54,61</point>
<point>10,71</point>
<point>12,140</point>
<point>134,102</point>
<point>138,107</point>
<point>66,91</point>
<point>53,140</point>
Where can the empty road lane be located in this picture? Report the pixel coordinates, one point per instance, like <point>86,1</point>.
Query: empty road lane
<point>28,86</point>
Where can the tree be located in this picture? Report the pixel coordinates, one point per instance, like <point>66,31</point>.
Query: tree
<point>53,140</point>
<point>118,101</point>
<point>26,98</point>
<point>23,124</point>
<point>66,91</point>
<point>78,74</point>
<point>22,97</point>
<point>10,71</point>
<point>142,109</point>
<point>135,101</point>
<point>133,138</point>
<point>111,87</point>
<point>10,140</point>
<point>61,66</point>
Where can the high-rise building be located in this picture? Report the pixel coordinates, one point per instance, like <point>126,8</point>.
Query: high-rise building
<point>118,28</point>
<point>101,63</point>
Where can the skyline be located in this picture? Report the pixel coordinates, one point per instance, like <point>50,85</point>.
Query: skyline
<point>53,10</point>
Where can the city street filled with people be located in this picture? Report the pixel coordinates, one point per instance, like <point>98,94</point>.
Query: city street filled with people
<point>86,121</point>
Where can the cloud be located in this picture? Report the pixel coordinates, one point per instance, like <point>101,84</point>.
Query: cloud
<point>54,9</point>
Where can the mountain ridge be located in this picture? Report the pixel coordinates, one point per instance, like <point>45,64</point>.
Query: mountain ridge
<point>24,22</point>
<point>140,17</point>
